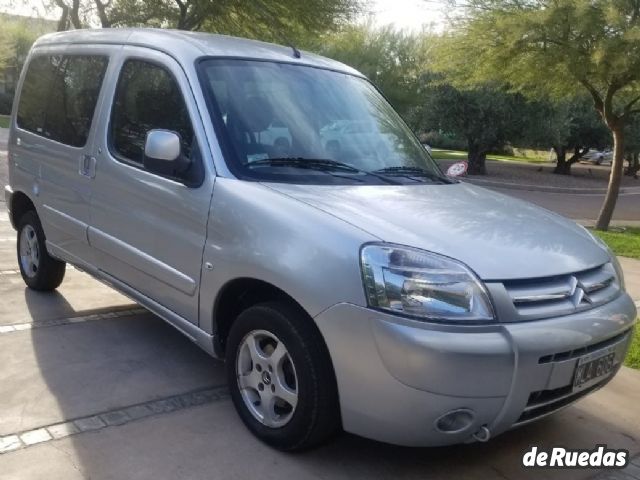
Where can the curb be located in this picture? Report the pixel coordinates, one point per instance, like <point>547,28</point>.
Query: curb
<point>548,189</point>
<point>614,223</point>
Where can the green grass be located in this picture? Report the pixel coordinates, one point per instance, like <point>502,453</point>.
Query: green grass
<point>625,243</point>
<point>4,122</point>
<point>633,357</point>
<point>522,156</point>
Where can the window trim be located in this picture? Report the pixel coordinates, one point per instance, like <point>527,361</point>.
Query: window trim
<point>140,166</point>
<point>63,55</point>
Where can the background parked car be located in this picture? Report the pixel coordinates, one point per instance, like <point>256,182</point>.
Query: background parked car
<point>598,156</point>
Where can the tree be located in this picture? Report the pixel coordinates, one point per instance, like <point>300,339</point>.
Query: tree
<point>270,20</point>
<point>486,117</point>
<point>16,37</point>
<point>569,126</point>
<point>395,61</point>
<point>632,147</point>
<point>69,14</point>
<point>558,47</point>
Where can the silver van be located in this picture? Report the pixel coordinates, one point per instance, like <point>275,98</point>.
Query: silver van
<point>273,207</point>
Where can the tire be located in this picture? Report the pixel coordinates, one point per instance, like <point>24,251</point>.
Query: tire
<point>39,271</point>
<point>316,416</point>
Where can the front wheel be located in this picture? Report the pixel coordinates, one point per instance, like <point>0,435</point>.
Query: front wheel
<point>38,269</point>
<point>281,378</point>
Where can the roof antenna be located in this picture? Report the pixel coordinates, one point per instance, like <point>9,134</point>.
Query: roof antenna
<point>296,52</point>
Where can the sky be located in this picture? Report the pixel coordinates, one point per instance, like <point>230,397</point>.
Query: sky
<point>406,14</point>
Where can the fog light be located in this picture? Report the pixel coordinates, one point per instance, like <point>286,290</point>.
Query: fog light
<point>455,421</point>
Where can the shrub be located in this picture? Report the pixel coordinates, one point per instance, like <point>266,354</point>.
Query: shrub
<point>446,142</point>
<point>5,103</point>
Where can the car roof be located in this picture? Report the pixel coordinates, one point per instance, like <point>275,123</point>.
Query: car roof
<point>188,46</point>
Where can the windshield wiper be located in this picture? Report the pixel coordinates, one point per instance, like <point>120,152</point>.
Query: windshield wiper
<point>319,164</point>
<point>411,172</point>
<point>301,162</point>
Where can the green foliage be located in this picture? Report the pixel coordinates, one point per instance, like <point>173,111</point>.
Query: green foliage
<point>436,139</point>
<point>6,101</point>
<point>485,117</point>
<point>633,357</point>
<point>272,20</point>
<point>549,46</point>
<point>555,47</point>
<point>395,61</point>
<point>566,123</point>
<point>16,37</point>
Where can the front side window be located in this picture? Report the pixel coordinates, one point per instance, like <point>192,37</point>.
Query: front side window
<point>147,98</point>
<point>59,96</point>
<point>298,124</point>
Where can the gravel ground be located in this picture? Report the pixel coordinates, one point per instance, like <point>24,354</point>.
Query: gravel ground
<point>582,176</point>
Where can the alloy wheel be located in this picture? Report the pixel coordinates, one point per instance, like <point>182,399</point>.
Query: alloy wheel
<point>267,378</point>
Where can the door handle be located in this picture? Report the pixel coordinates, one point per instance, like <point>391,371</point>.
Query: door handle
<point>87,166</point>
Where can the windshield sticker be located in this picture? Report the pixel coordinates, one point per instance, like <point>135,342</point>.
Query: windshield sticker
<point>254,157</point>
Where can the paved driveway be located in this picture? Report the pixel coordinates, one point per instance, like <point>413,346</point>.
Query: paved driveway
<point>4,174</point>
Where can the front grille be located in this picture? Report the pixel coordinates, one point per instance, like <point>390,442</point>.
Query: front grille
<point>579,352</point>
<point>563,294</point>
<point>545,402</point>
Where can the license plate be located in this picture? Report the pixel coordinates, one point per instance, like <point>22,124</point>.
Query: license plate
<point>593,368</point>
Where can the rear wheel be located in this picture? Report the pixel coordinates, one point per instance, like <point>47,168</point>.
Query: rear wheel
<point>39,270</point>
<point>281,378</point>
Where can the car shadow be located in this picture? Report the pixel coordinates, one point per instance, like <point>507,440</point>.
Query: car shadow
<point>96,366</point>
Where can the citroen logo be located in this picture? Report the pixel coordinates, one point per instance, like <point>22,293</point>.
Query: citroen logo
<point>578,293</point>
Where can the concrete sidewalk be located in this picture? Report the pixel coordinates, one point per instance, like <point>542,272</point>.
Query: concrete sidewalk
<point>4,138</point>
<point>631,268</point>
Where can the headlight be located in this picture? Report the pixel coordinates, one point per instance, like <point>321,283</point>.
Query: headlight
<point>422,284</point>
<point>614,260</point>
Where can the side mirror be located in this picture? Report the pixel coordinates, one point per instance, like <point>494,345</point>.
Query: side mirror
<point>163,155</point>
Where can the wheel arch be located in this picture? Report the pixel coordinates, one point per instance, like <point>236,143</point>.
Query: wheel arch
<point>20,204</point>
<point>239,294</point>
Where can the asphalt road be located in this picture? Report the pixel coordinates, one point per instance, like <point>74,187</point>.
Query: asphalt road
<point>581,207</point>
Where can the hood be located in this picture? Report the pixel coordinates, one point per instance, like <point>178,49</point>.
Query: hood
<point>499,237</point>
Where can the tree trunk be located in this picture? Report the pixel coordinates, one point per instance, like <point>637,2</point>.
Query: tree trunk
<point>615,177</point>
<point>562,166</point>
<point>63,22</point>
<point>634,164</point>
<point>74,14</point>
<point>477,161</point>
<point>102,13</point>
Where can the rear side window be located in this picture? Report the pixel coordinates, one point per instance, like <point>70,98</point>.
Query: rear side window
<point>147,98</point>
<point>35,93</point>
<point>59,96</point>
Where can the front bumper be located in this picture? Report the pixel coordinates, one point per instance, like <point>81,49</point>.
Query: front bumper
<point>397,376</point>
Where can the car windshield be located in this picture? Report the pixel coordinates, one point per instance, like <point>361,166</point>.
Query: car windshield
<point>298,124</point>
